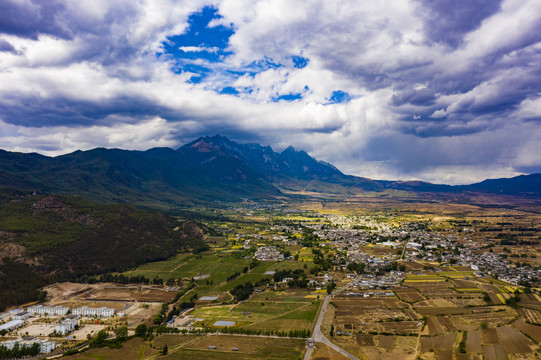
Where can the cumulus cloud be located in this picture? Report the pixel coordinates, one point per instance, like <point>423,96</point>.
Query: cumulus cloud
<point>444,91</point>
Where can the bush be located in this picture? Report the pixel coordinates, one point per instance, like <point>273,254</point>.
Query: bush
<point>70,352</point>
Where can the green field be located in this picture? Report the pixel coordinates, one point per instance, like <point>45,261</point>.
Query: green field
<point>219,265</point>
<point>269,310</point>
<point>187,266</point>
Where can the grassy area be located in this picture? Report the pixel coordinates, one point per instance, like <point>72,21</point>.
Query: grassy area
<point>187,266</point>
<point>197,347</point>
<point>247,348</point>
<point>300,318</point>
<point>132,349</point>
<point>268,307</point>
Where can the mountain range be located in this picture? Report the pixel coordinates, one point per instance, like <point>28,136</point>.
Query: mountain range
<point>206,170</point>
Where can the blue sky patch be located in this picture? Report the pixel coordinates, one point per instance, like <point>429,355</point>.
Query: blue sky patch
<point>287,97</point>
<point>299,62</point>
<point>229,90</point>
<point>200,41</point>
<point>339,96</point>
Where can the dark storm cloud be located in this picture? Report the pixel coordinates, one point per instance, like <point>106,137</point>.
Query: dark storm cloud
<point>31,19</point>
<point>5,46</point>
<point>39,112</point>
<point>411,154</point>
<point>415,97</point>
<point>447,21</point>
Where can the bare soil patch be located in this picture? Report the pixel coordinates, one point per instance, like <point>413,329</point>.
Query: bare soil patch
<point>441,342</point>
<point>130,293</point>
<point>386,342</point>
<point>494,352</point>
<point>513,341</point>
<point>446,354</point>
<point>434,326</point>
<point>532,331</point>
<point>324,352</point>
<point>489,336</point>
<point>365,340</point>
<point>473,342</point>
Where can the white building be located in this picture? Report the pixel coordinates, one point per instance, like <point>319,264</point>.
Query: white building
<point>13,324</point>
<point>101,312</point>
<point>44,345</point>
<point>23,315</point>
<point>51,310</point>
<point>67,325</point>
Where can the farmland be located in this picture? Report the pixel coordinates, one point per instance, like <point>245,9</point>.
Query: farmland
<point>408,280</point>
<point>447,321</point>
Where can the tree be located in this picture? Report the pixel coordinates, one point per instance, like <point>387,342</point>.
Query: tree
<point>158,319</point>
<point>99,339</point>
<point>330,287</point>
<point>165,349</point>
<point>122,333</point>
<point>141,330</point>
<point>357,267</point>
<point>332,330</point>
<point>42,296</point>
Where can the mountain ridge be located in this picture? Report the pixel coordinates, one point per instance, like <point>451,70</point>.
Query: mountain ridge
<point>207,170</point>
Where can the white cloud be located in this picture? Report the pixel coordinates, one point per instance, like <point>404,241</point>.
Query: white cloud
<point>107,76</point>
<point>198,49</point>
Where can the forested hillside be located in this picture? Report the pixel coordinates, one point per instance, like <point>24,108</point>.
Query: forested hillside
<point>55,238</point>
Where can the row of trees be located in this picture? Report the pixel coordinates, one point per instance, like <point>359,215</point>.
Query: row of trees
<point>19,352</point>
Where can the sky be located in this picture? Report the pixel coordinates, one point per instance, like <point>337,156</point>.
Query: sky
<point>444,91</point>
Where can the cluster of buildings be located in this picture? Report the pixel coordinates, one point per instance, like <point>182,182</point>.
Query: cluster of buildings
<point>268,253</point>
<point>19,314</point>
<point>66,325</point>
<point>45,346</point>
<point>370,281</point>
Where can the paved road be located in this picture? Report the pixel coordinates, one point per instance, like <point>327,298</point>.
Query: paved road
<point>319,337</point>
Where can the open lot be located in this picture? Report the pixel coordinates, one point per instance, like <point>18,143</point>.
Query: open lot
<point>87,329</point>
<point>129,293</point>
<point>39,329</point>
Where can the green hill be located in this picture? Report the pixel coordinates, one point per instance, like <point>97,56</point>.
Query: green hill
<point>58,238</point>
